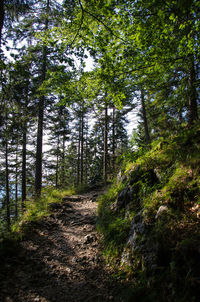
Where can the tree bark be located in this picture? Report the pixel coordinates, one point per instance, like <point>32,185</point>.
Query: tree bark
<point>24,153</point>
<point>86,155</point>
<point>82,144</point>
<point>144,117</point>
<point>105,161</point>
<point>113,137</point>
<point>2,15</point>
<point>38,173</point>
<point>57,161</point>
<point>7,186</point>
<point>78,158</point>
<point>24,150</point>
<point>192,102</point>
<point>63,160</point>
<point>16,185</point>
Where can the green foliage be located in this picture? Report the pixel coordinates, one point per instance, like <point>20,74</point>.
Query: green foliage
<point>113,225</point>
<point>3,226</point>
<point>34,212</point>
<point>149,46</point>
<point>166,175</point>
<point>39,208</point>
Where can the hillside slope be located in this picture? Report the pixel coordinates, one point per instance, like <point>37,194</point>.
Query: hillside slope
<point>150,220</point>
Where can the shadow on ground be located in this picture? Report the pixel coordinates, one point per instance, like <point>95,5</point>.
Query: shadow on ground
<point>59,260</point>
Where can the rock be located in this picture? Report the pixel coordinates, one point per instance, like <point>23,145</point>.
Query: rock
<point>162,210</point>
<point>121,177</point>
<point>141,243</point>
<point>89,238</point>
<point>125,257</point>
<point>137,218</point>
<point>137,228</point>
<point>139,174</point>
<point>124,198</point>
<point>158,173</point>
<point>134,175</point>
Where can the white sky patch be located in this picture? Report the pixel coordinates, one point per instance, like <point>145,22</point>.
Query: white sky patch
<point>89,63</point>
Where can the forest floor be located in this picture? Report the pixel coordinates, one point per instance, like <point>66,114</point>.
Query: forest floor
<point>60,259</point>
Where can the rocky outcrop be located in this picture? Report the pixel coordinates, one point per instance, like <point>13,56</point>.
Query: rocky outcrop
<point>124,198</point>
<point>134,180</point>
<point>140,246</point>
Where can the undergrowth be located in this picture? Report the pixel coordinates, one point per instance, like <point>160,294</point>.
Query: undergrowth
<point>167,174</point>
<point>35,210</point>
<point>112,225</point>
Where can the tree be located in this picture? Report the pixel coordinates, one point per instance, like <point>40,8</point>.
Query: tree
<point>12,9</point>
<point>58,128</point>
<point>149,36</point>
<point>41,104</point>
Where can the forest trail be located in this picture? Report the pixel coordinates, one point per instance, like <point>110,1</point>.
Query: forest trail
<point>61,261</point>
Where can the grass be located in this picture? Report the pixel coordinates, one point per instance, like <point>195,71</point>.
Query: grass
<point>175,162</point>
<point>112,225</point>
<point>37,209</point>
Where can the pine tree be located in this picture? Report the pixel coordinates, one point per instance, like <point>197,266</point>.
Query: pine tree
<point>38,171</point>
<point>59,132</point>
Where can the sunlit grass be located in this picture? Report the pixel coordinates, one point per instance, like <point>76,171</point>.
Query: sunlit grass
<point>36,209</point>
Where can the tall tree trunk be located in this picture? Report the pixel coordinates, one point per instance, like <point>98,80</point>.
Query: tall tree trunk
<point>7,186</point>
<point>38,173</point>
<point>24,153</point>
<point>192,102</point>
<point>24,147</point>
<point>16,185</point>
<point>2,15</point>
<point>105,159</point>
<point>78,159</point>
<point>63,162</point>
<point>74,172</point>
<point>86,155</point>
<point>144,117</point>
<point>113,137</point>
<point>82,144</point>
<point>57,161</point>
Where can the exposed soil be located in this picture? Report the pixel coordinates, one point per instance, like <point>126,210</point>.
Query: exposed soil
<point>61,259</point>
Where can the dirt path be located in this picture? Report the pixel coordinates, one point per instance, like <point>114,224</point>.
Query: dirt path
<point>61,262</point>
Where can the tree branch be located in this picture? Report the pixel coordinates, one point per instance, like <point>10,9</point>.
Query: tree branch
<point>142,67</point>
<point>100,21</point>
<point>80,25</point>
